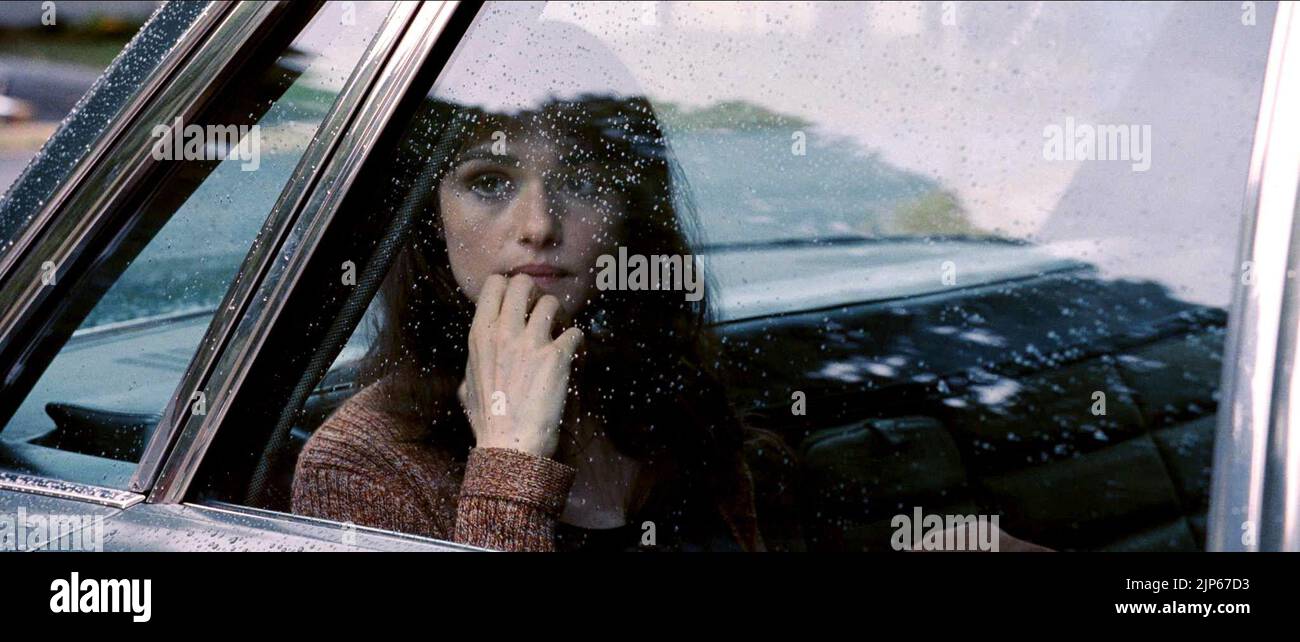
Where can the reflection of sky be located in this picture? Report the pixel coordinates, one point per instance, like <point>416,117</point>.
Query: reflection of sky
<point>966,104</point>
<point>354,25</point>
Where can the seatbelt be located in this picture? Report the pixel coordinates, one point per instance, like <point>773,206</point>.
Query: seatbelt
<point>354,308</point>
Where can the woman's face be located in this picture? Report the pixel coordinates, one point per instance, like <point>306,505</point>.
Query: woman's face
<point>524,206</point>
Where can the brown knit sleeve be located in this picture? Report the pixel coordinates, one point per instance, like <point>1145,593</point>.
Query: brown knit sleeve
<point>343,495</point>
<point>360,466</point>
<point>510,500</point>
<point>364,466</point>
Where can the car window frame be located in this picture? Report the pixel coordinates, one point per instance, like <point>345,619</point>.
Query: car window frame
<point>1255,486</point>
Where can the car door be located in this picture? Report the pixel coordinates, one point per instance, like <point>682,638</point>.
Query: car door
<point>152,243</point>
<point>928,305</point>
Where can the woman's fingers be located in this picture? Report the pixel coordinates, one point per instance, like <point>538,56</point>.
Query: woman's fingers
<point>511,353</point>
<point>489,300</point>
<point>560,368</point>
<point>462,392</point>
<point>520,294</point>
<point>568,342</point>
<point>542,319</point>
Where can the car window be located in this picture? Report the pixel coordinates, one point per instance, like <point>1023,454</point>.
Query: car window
<point>104,390</point>
<point>55,75</point>
<point>962,260</point>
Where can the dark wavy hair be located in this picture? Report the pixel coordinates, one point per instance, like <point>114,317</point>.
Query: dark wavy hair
<point>649,372</point>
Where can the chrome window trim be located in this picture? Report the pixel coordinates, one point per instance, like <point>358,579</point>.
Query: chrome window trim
<point>226,512</point>
<point>270,240</point>
<point>139,323</point>
<point>1253,500</point>
<point>336,175</point>
<point>118,163</point>
<point>68,490</point>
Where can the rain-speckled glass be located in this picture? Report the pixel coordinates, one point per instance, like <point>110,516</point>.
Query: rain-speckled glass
<point>961,259</point>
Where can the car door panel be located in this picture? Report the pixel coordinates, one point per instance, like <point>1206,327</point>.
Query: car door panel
<point>187,527</point>
<point>984,397</point>
<point>28,505</point>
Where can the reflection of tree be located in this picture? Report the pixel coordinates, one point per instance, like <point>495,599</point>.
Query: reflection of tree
<point>938,212</point>
<point>163,285</point>
<point>750,184</point>
<point>728,114</point>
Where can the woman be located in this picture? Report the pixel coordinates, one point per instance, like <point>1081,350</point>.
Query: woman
<point>514,404</point>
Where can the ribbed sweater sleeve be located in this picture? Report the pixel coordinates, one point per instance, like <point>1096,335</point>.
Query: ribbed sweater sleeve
<point>511,500</point>
<point>346,496</point>
<point>362,467</point>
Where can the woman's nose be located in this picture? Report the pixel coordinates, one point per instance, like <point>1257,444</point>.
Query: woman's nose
<point>538,222</point>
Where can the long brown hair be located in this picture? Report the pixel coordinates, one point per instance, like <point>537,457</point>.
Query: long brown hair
<point>649,372</point>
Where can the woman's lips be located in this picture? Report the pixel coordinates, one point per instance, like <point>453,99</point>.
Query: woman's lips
<point>543,274</point>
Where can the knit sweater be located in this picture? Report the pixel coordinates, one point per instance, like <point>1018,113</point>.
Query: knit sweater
<point>367,466</point>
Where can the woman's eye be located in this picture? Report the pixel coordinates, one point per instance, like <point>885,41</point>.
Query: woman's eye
<point>490,186</point>
<point>581,185</point>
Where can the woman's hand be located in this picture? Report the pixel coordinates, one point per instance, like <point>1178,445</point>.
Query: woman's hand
<point>517,378</point>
